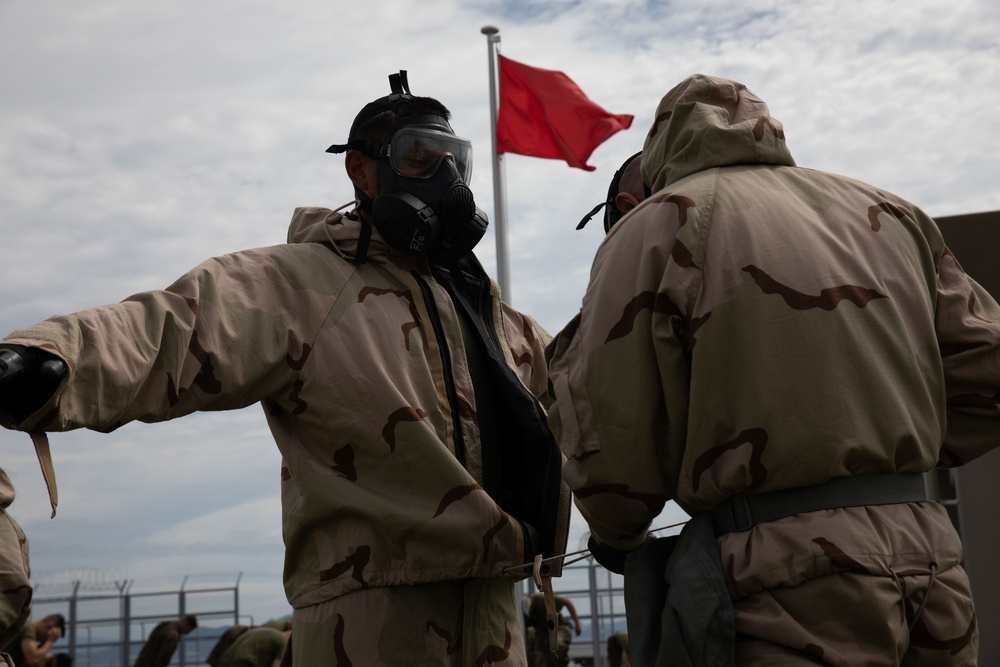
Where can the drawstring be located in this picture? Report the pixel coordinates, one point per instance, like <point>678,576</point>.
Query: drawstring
<point>901,585</point>
<point>927,594</point>
<point>537,571</point>
<point>48,472</point>
<point>541,574</point>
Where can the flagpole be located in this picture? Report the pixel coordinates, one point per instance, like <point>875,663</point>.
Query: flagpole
<point>499,180</point>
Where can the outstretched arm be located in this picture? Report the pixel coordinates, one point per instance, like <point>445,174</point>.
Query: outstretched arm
<point>576,618</point>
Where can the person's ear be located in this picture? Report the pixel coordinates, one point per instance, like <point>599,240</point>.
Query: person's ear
<point>625,202</point>
<point>357,170</point>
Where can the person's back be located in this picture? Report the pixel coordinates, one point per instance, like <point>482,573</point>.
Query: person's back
<point>806,327</point>
<point>159,647</point>
<point>225,640</point>
<point>257,647</point>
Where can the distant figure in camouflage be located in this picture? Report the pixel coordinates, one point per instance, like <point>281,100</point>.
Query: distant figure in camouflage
<point>257,647</point>
<point>540,653</point>
<point>418,472</point>
<point>33,647</point>
<point>225,640</point>
<point>783,352</point>
<point>281,625</point>
<point>163,641</point>
<point>618,650</point>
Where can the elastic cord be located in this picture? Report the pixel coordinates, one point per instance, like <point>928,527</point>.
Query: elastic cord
<point>927,593</point>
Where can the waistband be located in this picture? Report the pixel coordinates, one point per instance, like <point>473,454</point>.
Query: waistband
<point>743,512</point>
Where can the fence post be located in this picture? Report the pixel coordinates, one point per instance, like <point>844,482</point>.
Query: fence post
<point>182,607</point>
<point>72,618</point>
<point>126,612</point>
<point>595,629</point>
<point>236,599</point>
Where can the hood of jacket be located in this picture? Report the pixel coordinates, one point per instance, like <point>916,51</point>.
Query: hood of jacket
<point>341,232</point>
<point>707,122</point>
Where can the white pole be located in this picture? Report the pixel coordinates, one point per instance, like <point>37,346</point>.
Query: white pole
<point>499,180</point>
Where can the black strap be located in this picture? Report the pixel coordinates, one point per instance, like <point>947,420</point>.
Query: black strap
<point>743,512</point>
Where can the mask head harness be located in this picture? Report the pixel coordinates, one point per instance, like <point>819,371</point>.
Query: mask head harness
<point>424,203</point>
<point>612,213</point>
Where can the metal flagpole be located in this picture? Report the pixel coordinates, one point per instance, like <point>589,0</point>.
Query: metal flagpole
<point>500,213</point>
<point>499,179</point>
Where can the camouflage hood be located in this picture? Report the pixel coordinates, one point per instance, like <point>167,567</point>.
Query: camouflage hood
<point>706,122</point>
<point>340,232</point>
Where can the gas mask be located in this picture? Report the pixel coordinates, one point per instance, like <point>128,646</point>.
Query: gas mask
<point>424,204</point>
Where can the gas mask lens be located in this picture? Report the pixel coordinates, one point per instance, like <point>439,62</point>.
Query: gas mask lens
<point>416,152</point>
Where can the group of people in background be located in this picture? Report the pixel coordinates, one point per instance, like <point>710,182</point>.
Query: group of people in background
<point>237,646</point>
<point>33,646</point>
<point>548,650</point>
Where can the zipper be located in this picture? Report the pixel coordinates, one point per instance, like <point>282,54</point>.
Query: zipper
<point>449,379</point>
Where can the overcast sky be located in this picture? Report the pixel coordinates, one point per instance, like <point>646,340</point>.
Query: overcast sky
<point>137,139</point>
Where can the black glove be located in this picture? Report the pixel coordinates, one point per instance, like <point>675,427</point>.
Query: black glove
<point>28,378</point>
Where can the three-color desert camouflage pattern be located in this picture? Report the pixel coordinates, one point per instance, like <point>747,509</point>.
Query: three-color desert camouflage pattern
<point>755,326</point>
<point>473,622</point>
<point>349,371</point>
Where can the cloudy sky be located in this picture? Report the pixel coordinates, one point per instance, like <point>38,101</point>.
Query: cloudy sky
<point>137,139</point>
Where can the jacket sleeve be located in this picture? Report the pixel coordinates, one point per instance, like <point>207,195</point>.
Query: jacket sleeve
<point>527,340</point>
<point>968,329</point>
<point>15,581</point>
<point>619,376</point>
<point>218,338</point>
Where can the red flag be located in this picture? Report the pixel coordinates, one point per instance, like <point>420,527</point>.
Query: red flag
<point>544,114</point>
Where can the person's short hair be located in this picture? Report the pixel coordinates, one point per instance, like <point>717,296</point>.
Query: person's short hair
<point>191,621</point>
<point>611,211</point>
<point>56,621</point>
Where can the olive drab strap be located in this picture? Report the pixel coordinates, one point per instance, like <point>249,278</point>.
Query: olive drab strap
<point>48,472</point>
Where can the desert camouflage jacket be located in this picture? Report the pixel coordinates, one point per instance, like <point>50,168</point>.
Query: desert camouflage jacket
<point>363,374</point>
<point>15,571</point>
<point>756,326</point>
